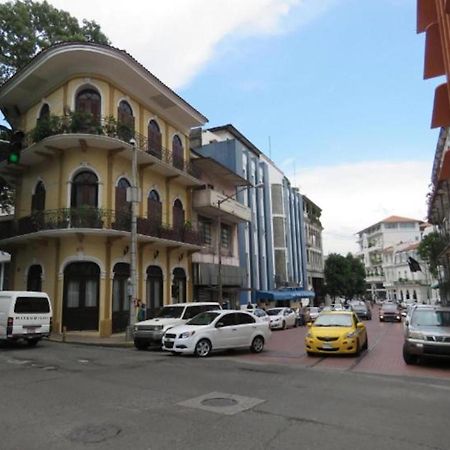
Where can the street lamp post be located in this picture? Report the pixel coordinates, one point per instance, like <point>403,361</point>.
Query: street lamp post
<point>219,237</point>
<point>133,196</point>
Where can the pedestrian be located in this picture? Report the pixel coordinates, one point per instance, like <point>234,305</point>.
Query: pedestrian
<point>141,312</point>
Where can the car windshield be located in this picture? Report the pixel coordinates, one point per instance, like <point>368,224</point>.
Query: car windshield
<point>259,313</point>
<point>170,312</point>
<point>333,320</point>
<point>274,312</point>
<point>204,318</point>
<point>431,318</point>
<point>389,308</point>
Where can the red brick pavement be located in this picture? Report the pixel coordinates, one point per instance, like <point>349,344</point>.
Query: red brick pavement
<point>383,357</point>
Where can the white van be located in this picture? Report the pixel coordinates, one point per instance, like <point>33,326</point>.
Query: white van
<point>25,316</point>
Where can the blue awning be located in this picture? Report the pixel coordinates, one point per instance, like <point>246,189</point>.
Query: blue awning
<point>284,294</point>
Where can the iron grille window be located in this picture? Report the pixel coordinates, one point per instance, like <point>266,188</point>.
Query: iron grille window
<point>204,226</point>
<point>225,236</point>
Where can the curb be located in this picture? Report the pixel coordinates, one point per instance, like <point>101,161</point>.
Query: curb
<point>95,344</point>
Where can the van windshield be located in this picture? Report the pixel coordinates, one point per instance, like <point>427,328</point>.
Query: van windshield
<point>30,305</point>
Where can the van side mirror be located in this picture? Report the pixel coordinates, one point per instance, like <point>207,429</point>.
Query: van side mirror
<point>219,324</point>
<point>360,325</point>
<point>407,323</point>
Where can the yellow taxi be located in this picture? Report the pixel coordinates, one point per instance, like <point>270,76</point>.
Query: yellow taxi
<point>336,332</point>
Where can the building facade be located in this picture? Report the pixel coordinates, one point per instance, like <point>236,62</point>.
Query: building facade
<point>314,248</point>
<point>272,244</point>
<point>86,109</point>
<point>375,239</point>
<point>433,19</point>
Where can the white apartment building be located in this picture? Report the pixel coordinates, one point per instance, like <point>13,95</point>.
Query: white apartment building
<point>374,239</point>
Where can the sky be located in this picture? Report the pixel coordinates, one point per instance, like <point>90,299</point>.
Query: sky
<point>335,87</point>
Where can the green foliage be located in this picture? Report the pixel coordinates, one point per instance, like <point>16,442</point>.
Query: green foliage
<point>431,246</point>
<point>27,27</point>
<point>344,276</point>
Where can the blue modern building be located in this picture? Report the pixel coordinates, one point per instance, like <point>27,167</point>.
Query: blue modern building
<point>272,245</point>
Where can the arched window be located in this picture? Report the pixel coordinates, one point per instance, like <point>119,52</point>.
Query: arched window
<point>178,215</point>
<point>84,190</point>
<point>123,208</point>
<point>44,113</point>
<point>120,301</point>
<point>154,139</point>
<point>38,198</point>
<point>177,153</point>
<point>179,286</point>
<point>154,290</point>
<point>125,121</point>
<point>34,279</point>
<point>89,101</point>
<point>154,207</point>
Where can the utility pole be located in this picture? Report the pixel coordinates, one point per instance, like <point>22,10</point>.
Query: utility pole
<point>134,198</point>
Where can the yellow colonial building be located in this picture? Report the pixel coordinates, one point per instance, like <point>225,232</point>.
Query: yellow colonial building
<point>84,109</point>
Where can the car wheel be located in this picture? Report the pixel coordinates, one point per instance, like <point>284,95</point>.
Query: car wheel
<point>295,323</point>
<point>257,345</point>
<point>284,325</point>
<point>409,358</point>
<point>140,345</point>
<point>202,348</point>
<point>32,342</point>
<point>358,348</point>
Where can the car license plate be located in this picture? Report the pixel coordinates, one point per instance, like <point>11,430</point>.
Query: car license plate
<point>327,345</point>
<point>30,330</point>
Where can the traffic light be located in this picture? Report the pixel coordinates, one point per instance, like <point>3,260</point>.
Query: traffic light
<point>15,146</point>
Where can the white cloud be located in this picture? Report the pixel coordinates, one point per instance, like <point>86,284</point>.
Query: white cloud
<point>175,39</point>
<point>354,196</point>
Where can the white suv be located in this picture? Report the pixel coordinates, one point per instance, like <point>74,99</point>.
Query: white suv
<point>150,332</point>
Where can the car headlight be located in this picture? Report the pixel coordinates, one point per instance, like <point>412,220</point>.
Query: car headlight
<point>381,317</point>
<point>351,335</point>
<point>415,335</point>
<point>186,334</point>
<point>136,328</point>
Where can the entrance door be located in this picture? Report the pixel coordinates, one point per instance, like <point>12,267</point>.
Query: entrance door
<point>154,290</point>
<point>81,296</point>
<point>34,279</point>
<point>120,301</point>
<point>179,285</point>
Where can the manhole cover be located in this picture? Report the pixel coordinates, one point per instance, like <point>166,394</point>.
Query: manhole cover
<point>219,402</point>
<point>91,434</point>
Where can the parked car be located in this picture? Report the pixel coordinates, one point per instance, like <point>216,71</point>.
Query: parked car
<point>150,332</point>
<point>313,312</point>
<point>336,332</point>
<point>361,309</point>
<point>389,312</point>
<point>282,318</point>
<point>25,316</point>
<point>217,330</point>
<point>427,333</point>
<point>260,314</point>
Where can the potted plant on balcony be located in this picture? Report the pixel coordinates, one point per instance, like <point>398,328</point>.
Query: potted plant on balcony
<point>45,127</point>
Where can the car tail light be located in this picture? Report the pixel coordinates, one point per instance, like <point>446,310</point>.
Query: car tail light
<point>9,326</point>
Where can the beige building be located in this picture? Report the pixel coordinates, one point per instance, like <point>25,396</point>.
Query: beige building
<point>85,108</point>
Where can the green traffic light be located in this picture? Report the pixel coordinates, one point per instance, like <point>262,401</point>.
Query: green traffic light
<point>14,158</point>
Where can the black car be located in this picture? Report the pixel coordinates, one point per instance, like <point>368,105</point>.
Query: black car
<point>361,309</point>
<point>389,312</point>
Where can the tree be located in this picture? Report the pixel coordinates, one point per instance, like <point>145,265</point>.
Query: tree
<point>430,247</point>
<point>344,276</point>
<point>27,27</point>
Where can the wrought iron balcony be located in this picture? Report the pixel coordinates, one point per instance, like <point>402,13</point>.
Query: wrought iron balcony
<point>84,123</point>
<point>94,218</point>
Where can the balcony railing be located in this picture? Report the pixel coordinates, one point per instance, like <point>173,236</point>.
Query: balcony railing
<point>85,123</point>
<point>94,218</point>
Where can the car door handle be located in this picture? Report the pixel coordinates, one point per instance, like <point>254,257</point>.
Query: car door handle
<point>234,329</point>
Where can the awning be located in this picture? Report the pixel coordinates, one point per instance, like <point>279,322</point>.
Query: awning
<point>284,294</point>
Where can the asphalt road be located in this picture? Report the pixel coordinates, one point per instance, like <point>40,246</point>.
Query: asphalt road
<point>66,396</point>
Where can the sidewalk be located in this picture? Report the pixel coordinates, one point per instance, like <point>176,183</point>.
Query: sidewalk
<point>92,338</point>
